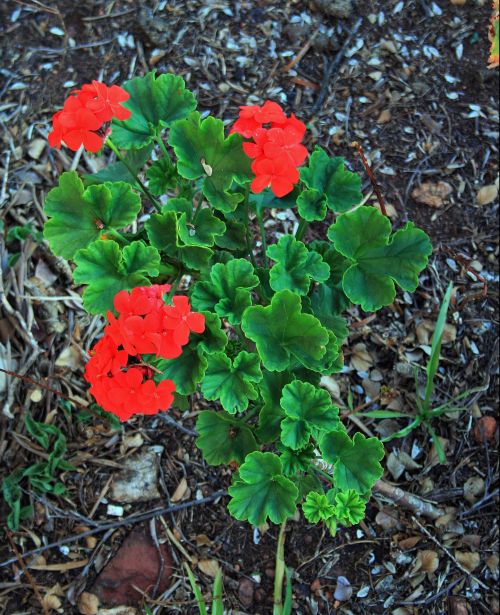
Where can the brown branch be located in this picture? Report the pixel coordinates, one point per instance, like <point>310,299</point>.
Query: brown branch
<point>370,174</point>
<point>407,500</point>
<point>27,573</point>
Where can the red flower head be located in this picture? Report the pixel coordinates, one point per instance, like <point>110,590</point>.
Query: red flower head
<point>182,321</point>
<point>278,174</point>
<point>81,120</point>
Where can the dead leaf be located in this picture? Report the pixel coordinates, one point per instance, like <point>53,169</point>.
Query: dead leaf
<point>426,561</point>
<point>134,441</point>
<point>384,117</point>
<point>119,610</point>
<point>62,567</point>
<point>432,194</point>
<point>50,601</point>
<point>361,359</point>
<point>181,492</point>
<point>36,148</point>
<point>387,518</point>
<point>473,487</point>
<point>210,567</point>
<point>492,563</point>
<point>487,194</point>
<point>71,358</point>
<point>469,560</point>
<point>409,543</point>
<point>88,604</point>
<point>202,540</point>
<point>399,461</point>
<point>246,592</point>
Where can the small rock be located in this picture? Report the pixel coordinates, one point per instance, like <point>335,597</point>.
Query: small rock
<point>343,591</point>
<point>137,482</point>
<point>484,429</point>
<point>487,194</point>
<point>335,8</point>
<point>246,592</point>
<point>432,194</point>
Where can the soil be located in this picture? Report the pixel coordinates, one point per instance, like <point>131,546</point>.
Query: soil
<point>441,124</point>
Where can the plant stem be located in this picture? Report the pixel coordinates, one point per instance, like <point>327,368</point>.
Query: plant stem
<point>263,237</point>
<point>322,473</point>
<point>198,206</point>
<point>162,145</point>
<point>279,574</point>
<point>143,188</point>
<point>303,225</point>
<point>247,234</point>
<point>114,234</point>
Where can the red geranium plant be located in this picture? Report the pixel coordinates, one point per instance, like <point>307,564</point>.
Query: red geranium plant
<point>255,326</point>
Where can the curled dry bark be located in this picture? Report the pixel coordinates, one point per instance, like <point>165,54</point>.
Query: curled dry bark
<point>407,500</point>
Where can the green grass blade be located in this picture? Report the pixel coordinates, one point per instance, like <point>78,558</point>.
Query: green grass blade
<point>437,339</point>
<point>217,604</point>
<point>384,414</point>
<point>287,604</point>
<point>202,607</point>
<point>437,445</point>
<point>405,431</point>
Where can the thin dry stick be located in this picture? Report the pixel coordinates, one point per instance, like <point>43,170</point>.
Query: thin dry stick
<point>408,500</point>
<point>27,573</point>
<point>132,519</point>
<point>450,555</point>
<point>301,53</point>
<point>370,174</point>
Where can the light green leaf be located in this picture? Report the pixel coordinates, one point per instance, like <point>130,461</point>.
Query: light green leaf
<point>223,439</point>
<point>307,409</point>
<point>349,507</point>
<point>230,382</point>
<point>162,176</point>
<point>228,291</point>
<point>312,205</point>
<point>202,231</point>
<point>329,176</point>
<point>295,266</point>
<point>355,462</point>
<point>261,492</point>
<point>106,270</point>
<point>203,151</point>
<point>283,333</point>
<point>379,260</point>
<point>155,102</point>
<point>77,217</point>
<point>316,507</point>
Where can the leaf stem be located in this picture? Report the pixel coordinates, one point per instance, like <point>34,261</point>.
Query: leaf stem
<point>371,176</point>
<point>322,473</point>
<point>162,145</point>
<point>143,188</point>
<point>263,237</point>
<point>279,574</point>
<point>302,228</point>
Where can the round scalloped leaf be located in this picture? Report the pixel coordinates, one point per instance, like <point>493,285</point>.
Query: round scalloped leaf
<point>78,216</point>
<point>307,409</point>
<point>202,231</point>
<point>295,266</point>
<point>203,151</point>
<point>107,269</point>
<point>228,291</point>
<point>230,381</point>
<point>379,260</point>
<point>118,171</point>
<point>162,230</point>
<point>162,177</point>
<point>261,492</point>
<point>294,462</point>
<point>349,507</point>
<point>282,333</point>
<point>316,507</point>
<point>312,205</point>
<point>223,439</point>
<point>155,102</point>
<point>329,176</point>
<point>213,339</point>
<point>356,462</point>
<point>272,413</point>
<point>186,371</point>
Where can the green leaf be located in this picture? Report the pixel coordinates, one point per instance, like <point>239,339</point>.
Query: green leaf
<point>324,305</point>
<point>379,260</point>
<point>155,102</point>
<point>341,188</point>
<point>234,237</point>
<point>202,231</point>
<point>162,231</point>
<point>213,339</point>
<point>295,266</point>
<point>162,176</point>
<point>268,200</point>
<point>223,439</point>
<point>312,205</point>
<point>283,333</point>
<point>107,269</point>
<point>307,409</point>
<point>203,151</point>
<point>316,507</point>
<point>20,233</point>
<point>180,205</point>
<point>186,371</point>
<point>195,257</point>
<point>230,382</point>
<point>349,507</point>
<point>294,462</point>
<point>119,172</point>
<point>77,217</point>
<point>355,462</point>
<point>228,291</point>
<point>305,484</point>
<point>272,413</point>
<point>261,492</point>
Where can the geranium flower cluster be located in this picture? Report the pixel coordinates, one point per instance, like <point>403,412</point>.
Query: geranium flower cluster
<point>277,150</point>
<point>82,119</point>
<point>120,381</point>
